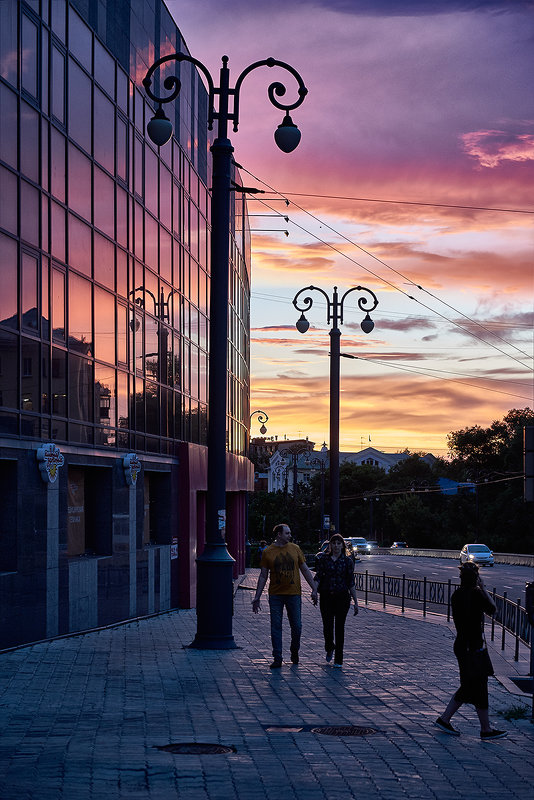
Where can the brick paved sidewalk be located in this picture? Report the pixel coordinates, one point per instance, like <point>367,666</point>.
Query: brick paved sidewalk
<point>81,717</point>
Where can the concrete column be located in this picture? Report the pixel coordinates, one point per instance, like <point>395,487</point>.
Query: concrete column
<point>132,549</point>
<point>52,559</point>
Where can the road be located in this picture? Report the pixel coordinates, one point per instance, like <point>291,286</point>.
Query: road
<point>502,577</point>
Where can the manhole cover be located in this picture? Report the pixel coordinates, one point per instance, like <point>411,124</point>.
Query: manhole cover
<point>196,748</point>
<point>343,730</point>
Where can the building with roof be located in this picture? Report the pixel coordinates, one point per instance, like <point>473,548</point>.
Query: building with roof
<point>104,319</point>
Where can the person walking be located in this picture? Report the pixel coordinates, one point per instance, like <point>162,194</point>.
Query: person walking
<point>283,562</point>
<point>469,604</point>
<point>334,578</point>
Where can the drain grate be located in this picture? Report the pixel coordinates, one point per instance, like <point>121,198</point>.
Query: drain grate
<point>196,748</point>
<point>343,730</point>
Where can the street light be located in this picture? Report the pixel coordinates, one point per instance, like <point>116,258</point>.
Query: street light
<point>334,315</point>
<point>263,418</point>
<point>214,566</point>
<point>293,459</point>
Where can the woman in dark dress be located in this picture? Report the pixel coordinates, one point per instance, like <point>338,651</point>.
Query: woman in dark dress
<point>469,604</point>
<point>334,578</point>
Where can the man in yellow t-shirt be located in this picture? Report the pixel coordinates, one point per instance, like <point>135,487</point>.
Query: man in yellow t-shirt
<point>283,562</point>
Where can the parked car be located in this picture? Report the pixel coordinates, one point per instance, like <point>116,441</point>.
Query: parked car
<point>477,553</point>
<point>358,544</point>
<point>398,544</point>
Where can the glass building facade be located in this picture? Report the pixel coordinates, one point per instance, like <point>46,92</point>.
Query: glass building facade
<point>104,311</point>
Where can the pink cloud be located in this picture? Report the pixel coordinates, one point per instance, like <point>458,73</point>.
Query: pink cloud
<point>492,147</point>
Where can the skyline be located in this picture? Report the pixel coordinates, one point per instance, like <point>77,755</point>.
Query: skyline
<point>416,122</point>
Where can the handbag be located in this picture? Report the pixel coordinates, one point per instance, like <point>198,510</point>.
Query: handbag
<point>478,663</point>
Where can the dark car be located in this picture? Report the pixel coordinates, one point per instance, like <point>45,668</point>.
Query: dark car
<point>398,544</point>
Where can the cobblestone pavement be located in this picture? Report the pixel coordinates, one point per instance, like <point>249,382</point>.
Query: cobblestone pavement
<point>81,717</point>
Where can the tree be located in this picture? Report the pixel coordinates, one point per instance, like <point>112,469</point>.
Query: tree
<point>498,447</point>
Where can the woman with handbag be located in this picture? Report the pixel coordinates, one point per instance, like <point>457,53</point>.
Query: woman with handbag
<point>334,578</point>
<point>469,604</point>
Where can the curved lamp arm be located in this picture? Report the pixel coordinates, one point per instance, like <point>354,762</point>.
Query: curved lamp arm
<point>307,302</point>
<point>275,88</point>
<point>173,84</point>
<point>363,301</point>
<point>262,417</point>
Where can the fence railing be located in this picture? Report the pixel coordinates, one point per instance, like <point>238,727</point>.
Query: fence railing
<point>435,597</point>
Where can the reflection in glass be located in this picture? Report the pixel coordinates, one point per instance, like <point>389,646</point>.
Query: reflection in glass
<point>80,388</point>
<point>57,163</point>
<point>139,404</point>
<point>165,196</point>
<point>138,166</point>
<point>122,217</point>
<point>9,359</point>
<point>122,334</point>
<point>79,183</point>
<point>104,326</point>
<point>151,348</point>
<point>104,130</point>
<point>58,85</point>
<point>80,40</point>
<point>58,231</point>
<point>58,304</point>
<point>79,245</point>
<point>8,41</point>
<point>9,204</point>
<point>29,305</point>
<point>122,273</point>
<point>59,382</point>
<point>29,220</point>
<point>165,255</point>
<point>105,399</point>
<point>8,115</point>
<point>122,400</point>
<point>104,69</point>
<point>152,407</point>
<point>151,181</point>
<point>138,243</point>
<point>29,141</point>
<point>45,222</point>
<point>29,56</point>
<point>45,380</point>
<point>29,399</point>
<point>151,242</point>
<point>122,149</point>
<point>8,271</point>
<point>80,308</point>
<point>104,205</point>
<point>104,261</point>
<point>45,302</point>
<point>80,121</point>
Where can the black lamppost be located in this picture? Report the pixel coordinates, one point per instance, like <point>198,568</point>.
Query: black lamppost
<point>263,418</point>
<point>161,311</point>
<point>214,566</point>
<point>334,315</point>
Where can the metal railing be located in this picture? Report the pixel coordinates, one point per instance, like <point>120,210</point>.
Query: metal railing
<point>435,596</point>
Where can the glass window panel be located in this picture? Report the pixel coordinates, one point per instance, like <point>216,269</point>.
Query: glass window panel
<point>123,89</point>
<point>202,291</point>
<point>44,70</point>
<point>203,331</point>
<point>80,315</point>
<point>151,349</point>
<point>122,217</point>
<point>104,131</point>
<point>29,304</point>
<point>29,220</point>
<point>176,362</point>
<point>9,200</point>
<point>44,155</point>
<point>80,40</point>
<point>165,255</point>
<point>139,110</point>
<point>79,183</point>
<point>104,202</point>
<point>151,181</point>
<point>202,241</point>
<point>193,285</point>
<point>58,304</point>
<point>122,334</point>
<point>45,302</point>
<point>79,245</point>
<point>203,377</point>
<point>139,404</point>
<point>29,376</point>
<point>176,252</point>
<point>45,380</point>
<point>122,273</point>
<point>104,270</point>
<point>165,348</point>
<point>104,69</point>
<point>104,326</point>
<point>138,166</point>
<point>80,388</point>
<point>57,162</point>
<point>193,224</point>
<point>57,105</point>
<point>177,302</point>
<point>194,324</point>
<point>122,149</point>
<point>123,400</point>
<point>138,329</point>
<point>59,18</point>
<point>45,213</point>
<point>151,242</point>
<point>185,230</point>
<point>9,371</point>
<point>8,270</point>
<point>59,382</point>
<point>105,395</point>
<point>8,42</point>
<point>138,224</point>
<point>58,231</point>
<point>151,293</point>
<point>152,408</point>
<point>80,122</point>
<point>8,115</point>
<point>29,56</point>
<point>176,199</point>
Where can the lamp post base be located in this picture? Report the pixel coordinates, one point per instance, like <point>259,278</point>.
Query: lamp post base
<point>215,599</point>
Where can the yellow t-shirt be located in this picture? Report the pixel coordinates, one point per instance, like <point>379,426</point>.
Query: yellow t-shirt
<point>283,564</point>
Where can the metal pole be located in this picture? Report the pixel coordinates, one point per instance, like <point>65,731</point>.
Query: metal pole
<point>335,336</point>
<point>215,565</point>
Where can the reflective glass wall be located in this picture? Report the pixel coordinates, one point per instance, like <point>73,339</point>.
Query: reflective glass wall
<point>104,242</point>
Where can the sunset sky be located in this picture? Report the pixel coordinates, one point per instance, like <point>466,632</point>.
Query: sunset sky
<point>425,105</point>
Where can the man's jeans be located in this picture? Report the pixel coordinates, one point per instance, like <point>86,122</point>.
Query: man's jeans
<point>292,603</point>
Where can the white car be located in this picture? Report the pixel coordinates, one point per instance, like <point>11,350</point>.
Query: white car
<point>477,554</point>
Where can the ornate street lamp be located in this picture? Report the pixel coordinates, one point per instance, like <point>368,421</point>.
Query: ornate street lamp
<point>214,566</point>
<point>263,418</point>
<point>334,315</point>
<point>292,457</point>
